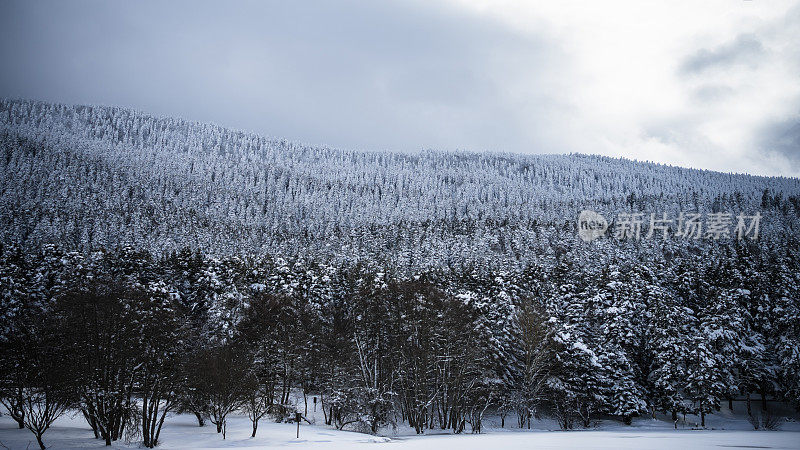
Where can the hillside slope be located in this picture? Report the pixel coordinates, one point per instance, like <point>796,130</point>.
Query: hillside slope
<point>87,177</point>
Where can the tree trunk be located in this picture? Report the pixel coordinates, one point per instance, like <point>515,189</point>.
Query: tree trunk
<point>15,409</point>
<point>160,425</point>
<point>322,405</point>
<point>201,422</point>
<point>749,409</point>
<point>39,441</point>
<point>730,403</point>
<point>763,401</point>
<point>145,424</point>
<point>255,427</point>
<point>702,418</point>
<point>91,421</point>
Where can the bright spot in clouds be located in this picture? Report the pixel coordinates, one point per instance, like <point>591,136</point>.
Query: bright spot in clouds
<point>711,84</point>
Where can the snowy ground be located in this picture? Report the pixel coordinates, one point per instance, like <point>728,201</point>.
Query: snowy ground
<point>182,432</point>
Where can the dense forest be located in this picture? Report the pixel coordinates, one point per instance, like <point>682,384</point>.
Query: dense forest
<point>151,266</point>
<point>127,338</point>
<point>86,178</point>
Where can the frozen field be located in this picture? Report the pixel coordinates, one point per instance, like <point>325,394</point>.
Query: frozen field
<point>182,432</point>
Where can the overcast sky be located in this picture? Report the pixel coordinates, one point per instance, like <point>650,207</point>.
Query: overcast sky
<point>712,84</point>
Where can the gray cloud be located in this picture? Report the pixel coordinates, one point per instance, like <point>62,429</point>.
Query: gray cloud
<point>783,138</point>
<point>712,92</point>
<point>397,75</point>
<point>744,50</point>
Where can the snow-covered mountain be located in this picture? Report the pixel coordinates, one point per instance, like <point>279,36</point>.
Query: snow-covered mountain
<point>88,177</point>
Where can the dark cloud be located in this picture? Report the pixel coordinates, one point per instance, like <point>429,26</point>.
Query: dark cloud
<point>783,138</point>
<point>744,50</point>
<point>397,75</point>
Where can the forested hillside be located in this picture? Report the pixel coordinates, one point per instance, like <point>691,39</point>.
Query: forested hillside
<point>97,177</point>
<point>152,265</point>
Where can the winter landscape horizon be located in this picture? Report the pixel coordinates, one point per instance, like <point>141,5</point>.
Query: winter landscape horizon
<point>349,224</point>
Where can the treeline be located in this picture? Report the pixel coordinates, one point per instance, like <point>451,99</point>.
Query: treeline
<point>127,338</point>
